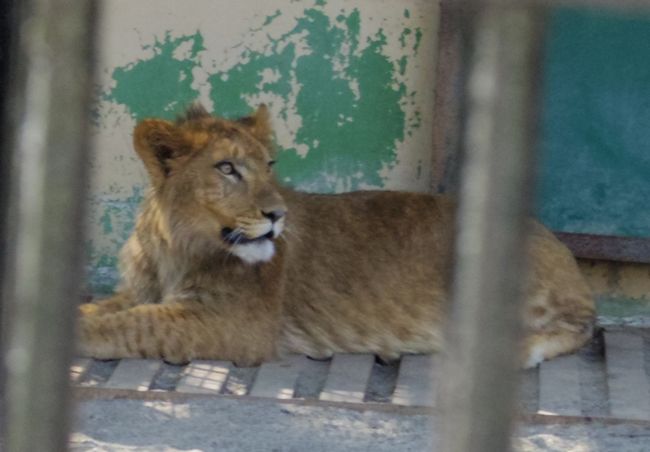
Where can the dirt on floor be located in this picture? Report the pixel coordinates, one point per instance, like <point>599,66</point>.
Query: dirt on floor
<point>220,424</point>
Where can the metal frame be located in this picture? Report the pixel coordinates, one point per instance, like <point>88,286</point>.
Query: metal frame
<point>447,100</point>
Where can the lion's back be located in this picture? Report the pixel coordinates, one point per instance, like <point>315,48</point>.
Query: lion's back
<point>367,269</point>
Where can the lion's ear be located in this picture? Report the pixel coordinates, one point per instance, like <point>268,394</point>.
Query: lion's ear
<point>259,125</point>
<point>159,143</point>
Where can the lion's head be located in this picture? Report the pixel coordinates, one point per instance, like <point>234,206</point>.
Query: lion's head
<point>212,180</point>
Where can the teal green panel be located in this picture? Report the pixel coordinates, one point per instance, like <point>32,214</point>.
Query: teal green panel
<point>595,162</point>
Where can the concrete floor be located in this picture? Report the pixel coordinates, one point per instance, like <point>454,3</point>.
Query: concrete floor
<point>219,424</point>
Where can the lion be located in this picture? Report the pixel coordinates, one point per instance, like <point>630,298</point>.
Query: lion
<point>225,263</point>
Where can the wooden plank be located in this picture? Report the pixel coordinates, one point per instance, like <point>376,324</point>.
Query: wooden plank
<point>559,386</point>
<point>416,381</point>
<point>79,368</point>
<point>134,374</point>
<point>278,379</point>
<point>204,377</point>
<point>629,390</point>
<point>347,378</point>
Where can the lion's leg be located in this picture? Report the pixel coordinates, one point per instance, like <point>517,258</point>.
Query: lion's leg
<point>556,322</point>
<point>542,346</point>
<point>175,332</point>
<point>564,328</point>
<point>118,302</point>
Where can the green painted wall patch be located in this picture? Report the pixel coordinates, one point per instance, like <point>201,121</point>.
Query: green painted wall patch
<point>159,85</point>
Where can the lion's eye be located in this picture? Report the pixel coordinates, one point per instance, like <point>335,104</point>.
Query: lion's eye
<point>227,168</point>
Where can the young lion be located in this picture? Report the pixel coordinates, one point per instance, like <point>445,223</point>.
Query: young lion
<point>225,264</point>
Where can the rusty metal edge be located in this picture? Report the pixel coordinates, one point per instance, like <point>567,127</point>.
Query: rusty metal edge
<point>607,247</point>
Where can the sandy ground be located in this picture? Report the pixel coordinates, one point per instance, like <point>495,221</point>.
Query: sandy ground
<point>219,424</point>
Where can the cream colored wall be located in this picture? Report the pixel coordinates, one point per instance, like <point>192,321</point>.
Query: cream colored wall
<point>622,291</point>
<point>618,280</point>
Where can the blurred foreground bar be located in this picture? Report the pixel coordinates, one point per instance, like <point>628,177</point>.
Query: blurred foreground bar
<point>48,115</point>
<point>502,45</point>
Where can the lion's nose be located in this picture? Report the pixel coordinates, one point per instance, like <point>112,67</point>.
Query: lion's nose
<point>275,214</point>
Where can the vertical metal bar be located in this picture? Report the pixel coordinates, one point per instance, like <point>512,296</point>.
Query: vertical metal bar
<point>6,48</point>
<point>50,116</point>
<point>480,370</point>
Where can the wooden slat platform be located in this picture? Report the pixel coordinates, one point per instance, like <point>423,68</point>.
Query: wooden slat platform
<point>347,378</point>
<point>79,368</point>
<point>613,383</point>
<point>204,377</point>
<point>416,381</point>
<point>278,379</point>
<point>627,379</point>
<point>135,374</point>
<point>559,386</point>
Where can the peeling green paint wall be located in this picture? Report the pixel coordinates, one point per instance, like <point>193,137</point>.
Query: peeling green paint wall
<point>160,85</point>
<point>349,84</point>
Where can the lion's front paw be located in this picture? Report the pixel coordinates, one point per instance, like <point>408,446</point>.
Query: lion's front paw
<point>92,342</point>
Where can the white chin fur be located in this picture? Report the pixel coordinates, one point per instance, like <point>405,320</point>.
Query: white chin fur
<point>252,253</point>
